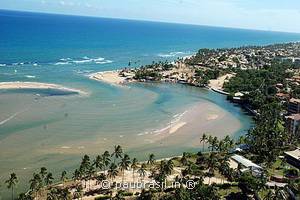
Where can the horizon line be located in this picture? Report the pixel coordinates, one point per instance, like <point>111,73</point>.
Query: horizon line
<point>145,20</point>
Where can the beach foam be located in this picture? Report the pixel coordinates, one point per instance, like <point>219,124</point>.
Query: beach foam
<point>29,76</point>
<point>61,61</point>
<point>173,54</point>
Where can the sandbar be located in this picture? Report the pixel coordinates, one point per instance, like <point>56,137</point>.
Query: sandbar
<point>36,85</point>
<point>111,77</point>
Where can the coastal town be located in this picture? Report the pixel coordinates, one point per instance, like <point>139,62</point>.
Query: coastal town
<point>263,164</point>
<point>149,100</point>
<point>219,69</point>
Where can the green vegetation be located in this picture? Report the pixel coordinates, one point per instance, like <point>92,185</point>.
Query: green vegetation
<point>203,76</point>
<point>264,143</point>
<point>151,72</point>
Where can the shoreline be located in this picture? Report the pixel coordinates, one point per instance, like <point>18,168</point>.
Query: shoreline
<point>37,85</point>
<point>113,77</point>
<point>110,77</point>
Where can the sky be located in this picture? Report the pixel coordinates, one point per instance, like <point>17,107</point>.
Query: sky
<point>271,15</point>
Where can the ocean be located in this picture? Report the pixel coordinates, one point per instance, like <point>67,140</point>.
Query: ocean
<point>55,129</point>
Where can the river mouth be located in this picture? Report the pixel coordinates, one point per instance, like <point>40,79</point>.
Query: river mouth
<point>57,130</point>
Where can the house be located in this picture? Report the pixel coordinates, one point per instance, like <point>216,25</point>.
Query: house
<point>293,157</point>
<point>294,106</point>
<point>292,124</point>
<point>247,165</point>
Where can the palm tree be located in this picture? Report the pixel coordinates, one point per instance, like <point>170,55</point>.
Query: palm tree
<point>184,160</point>
<point>112,171</point>
<point>85,164</point>
<point>63,177</point>
<point>169,167</point>
<point>117,153</point>
<point>142,171</point>
<point>76,175</point>
<point>106,159</point>
<point>212,164</point>
<point>36,184</point>
<point>151,160</point>
<point>49,179</point>
<point>203,140</point>
<point>98,162</point>
<point>43,173</point>
<point>124,165</point>
<point>12,183</point>
<point>90,173</point>
<point>134,167</point>
<point>224,168</point>
<point>213,141</point>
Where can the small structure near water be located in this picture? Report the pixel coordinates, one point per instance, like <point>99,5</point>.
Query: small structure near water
<point>247,165</point>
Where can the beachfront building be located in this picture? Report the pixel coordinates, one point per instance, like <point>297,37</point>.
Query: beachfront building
<point>292,124</point>
<point>247,165</point>
<point>293,157</point>
<point>294,106</point>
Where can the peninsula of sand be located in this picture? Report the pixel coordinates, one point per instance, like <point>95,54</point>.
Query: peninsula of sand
<point>111,77</point>
<point>37,85</point>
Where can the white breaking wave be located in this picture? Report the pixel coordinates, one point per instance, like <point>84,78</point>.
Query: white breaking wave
<point>65,59</point>
<point>29,76</point>
<point>173,54</point>
<point>88,60</point>
<point>104,62</point>
<point>62,63</point>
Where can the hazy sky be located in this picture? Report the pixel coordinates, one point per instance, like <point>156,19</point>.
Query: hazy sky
<point>279,15</point>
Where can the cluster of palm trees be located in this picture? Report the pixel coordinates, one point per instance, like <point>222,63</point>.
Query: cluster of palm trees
<point>223,145</point>
<point>42,183</point>
<point>110,165</point>
<point>218,157</point>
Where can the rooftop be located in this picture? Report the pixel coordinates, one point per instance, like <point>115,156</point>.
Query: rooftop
<point>295,154</point>
<point>293,100</point>
<point>244,161</point>
<point>294,117</point>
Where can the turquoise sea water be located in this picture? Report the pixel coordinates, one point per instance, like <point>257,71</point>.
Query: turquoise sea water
<point>54,129</point>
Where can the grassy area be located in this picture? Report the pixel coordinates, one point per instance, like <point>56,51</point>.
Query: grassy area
<point>223,192</point>
<point>278,168</point>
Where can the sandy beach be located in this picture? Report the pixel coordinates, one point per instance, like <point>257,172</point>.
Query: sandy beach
<point>36,85</point>
<point>111,77</point>
<point>217,84</point>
